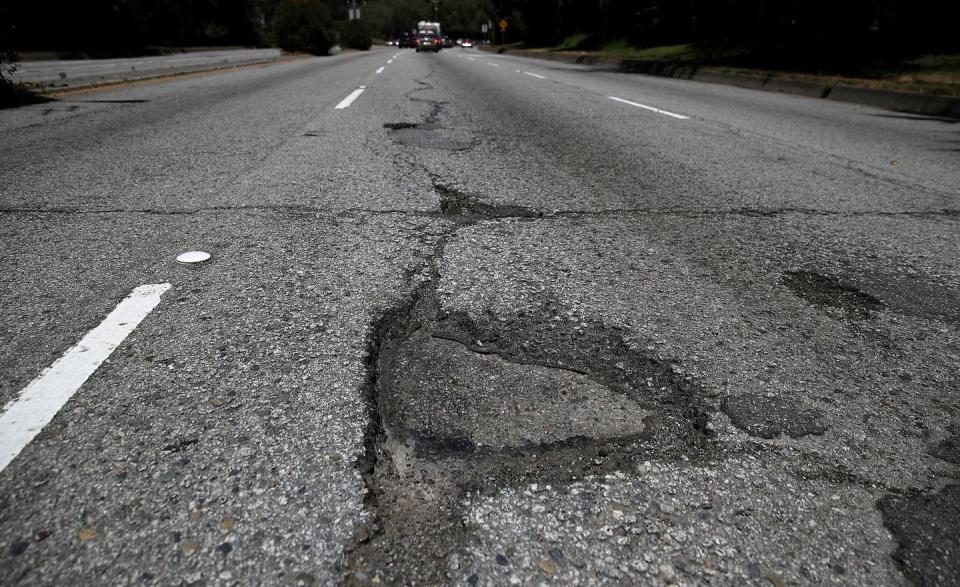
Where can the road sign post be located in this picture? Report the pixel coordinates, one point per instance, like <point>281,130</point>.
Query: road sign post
<point>503,29</point>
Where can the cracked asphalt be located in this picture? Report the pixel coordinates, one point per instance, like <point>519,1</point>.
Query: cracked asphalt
<point>482,327</point>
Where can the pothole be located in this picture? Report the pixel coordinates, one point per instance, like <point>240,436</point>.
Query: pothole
<point>462,406</point>
<point>458,204</point>
<point>822,290</point>
<point>426,135</point>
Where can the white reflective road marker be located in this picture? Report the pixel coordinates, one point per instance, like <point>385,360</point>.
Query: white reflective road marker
<point>191,257</point>
<point>381,69</point>
<point>345,103</point>
<point>650,108</point>
<point>533,74</point>
<point>39,402</point>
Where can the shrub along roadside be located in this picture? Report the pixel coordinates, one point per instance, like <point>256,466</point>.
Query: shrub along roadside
<point>11,94</point>
<point>304,26</point>
<point>354,34</point>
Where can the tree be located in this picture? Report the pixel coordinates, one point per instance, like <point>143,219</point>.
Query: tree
<point>304,25</point>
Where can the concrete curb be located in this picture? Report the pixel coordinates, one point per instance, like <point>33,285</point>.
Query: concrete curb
<point>944,106</point>
<point>924,104</point>
<point>86,83</point>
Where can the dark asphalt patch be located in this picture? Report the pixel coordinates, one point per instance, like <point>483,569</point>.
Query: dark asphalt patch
<point>461,407</point>
<point>949,448</point>
<point>426,135</point>
<point>769,417</point>
<point>822,290</point>
<point>927,530</point>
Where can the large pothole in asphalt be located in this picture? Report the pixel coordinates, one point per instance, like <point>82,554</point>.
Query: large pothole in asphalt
<point>464,405</point>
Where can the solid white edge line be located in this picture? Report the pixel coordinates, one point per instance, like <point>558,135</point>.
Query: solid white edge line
<point>381,69</point>
<point>536,75</point>
<point>42,398</point>
<point>345,103</point>
<point>650,108</point>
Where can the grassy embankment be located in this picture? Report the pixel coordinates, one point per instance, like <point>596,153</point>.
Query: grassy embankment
<point>931,74</point>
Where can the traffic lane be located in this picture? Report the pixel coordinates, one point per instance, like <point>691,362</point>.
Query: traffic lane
<point>904,147</point>
<point>807,387</point>
<point>650,160</point>
<point>70,70</point>
<point>220,440</point>
<point>173,145</point>
<point>538,153</point>
<point>799,331</point>
<point>346,156</point>
<point>165,155</point>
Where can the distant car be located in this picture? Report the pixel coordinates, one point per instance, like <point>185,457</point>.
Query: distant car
<point>447,42</point>
<point>391,43</point>
<point>466,43</point>
<point>428,42</point>
<point>407,41</point>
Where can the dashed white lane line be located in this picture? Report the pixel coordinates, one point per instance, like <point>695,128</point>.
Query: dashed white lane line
<point>39,402</point>
<point>651,108</point>
<point>493,64</point>
<point>345,103</point>
<point>536,75</point>
<point>381,69</point>
<point>389,61</point>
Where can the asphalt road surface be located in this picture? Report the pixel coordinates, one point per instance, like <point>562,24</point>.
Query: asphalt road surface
<point>476,319</point>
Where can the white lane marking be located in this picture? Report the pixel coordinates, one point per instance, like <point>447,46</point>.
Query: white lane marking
<point>389,61</point>
<point>536,75</point>
<point>493,64</point>
<point>381,69</point>
<point>650,108</point>
<point>345,103</point>
<point>43,397</point>
<point>472,58</point>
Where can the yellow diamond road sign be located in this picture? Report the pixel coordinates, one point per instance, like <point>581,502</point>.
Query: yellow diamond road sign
<point>503,24</point>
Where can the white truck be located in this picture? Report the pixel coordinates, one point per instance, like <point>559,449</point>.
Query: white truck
<point>425,26</point>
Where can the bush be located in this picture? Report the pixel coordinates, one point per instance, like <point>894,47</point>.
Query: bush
<point>354,34</point>
<point>304,26</point>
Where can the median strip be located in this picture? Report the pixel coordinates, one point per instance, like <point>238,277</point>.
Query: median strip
<point>345,103</point>
<point>40,401</point>
<point>651,108</point>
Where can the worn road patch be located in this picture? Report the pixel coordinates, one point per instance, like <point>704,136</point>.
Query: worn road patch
<point>927,528</point>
